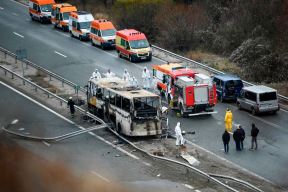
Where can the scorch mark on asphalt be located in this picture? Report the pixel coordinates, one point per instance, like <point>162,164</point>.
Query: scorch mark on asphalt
<point>60,54</point>
<point>17,34</point>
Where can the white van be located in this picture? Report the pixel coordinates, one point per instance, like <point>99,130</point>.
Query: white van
<point>79,24</point>
<point>258,99</point>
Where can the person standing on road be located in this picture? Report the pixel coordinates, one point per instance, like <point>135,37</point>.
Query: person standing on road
<point>226,140</point>
<point>146,78</point>
<point>242,136</point>
<point>126,75</point>
<point>237,138</point>
<point>228,120</point>
<point>178,134</point>
<point>71,104</point>
<point>254,134</point>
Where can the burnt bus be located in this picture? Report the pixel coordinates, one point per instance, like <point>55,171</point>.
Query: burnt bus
<point>131,111</point>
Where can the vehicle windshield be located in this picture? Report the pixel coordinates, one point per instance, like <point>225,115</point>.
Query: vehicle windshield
<point>146,106</point>
<point>108,32</point>
<point>268,96</point>
<point>138,44</point>
<point>66,16</point>
<point>85,25</point>
<point>233,83</point>
<point>46,8</point>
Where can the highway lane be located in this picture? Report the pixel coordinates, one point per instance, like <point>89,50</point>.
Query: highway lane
<point>43,41</point>
<point>82,59</point>
<point>84,155</point>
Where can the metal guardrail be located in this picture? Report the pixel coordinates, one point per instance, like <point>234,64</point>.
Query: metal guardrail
<point>203,66</point>
<point>27,62</point>
<point>50,94</point>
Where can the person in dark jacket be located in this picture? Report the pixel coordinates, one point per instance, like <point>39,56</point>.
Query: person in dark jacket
<point>242,136</point>
<point>71,104</point>
<point>254,134</point>
<point>237,138</point>
<point>226,139</point>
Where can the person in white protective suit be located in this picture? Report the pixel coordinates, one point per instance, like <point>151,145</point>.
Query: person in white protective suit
<point>126,75</point>
<point>109,74</point>
<point>96,74</point>
<point>146,78</point>
<point>178,134</point>
<point>134,82</point>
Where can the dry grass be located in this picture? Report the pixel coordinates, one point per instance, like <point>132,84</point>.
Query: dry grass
<point>215,61</point>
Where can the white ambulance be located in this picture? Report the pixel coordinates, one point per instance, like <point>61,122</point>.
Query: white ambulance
<point>79,24</point>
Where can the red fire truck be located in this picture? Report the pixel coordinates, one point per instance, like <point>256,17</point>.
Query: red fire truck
<point>187,91</point>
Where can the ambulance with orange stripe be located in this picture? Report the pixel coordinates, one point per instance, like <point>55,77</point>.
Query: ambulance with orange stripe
<point>103,33</point>
<point>60,15</point>
<point>41,10</point>
<point>79,24</point>
<point>187,91</point>
<point>133,45</point>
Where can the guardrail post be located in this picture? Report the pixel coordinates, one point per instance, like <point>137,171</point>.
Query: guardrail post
<point>60,103</point>
<point>5,72</point>
<point>15,60</point>
<point>50,78</point>
<point>62,83</point>
<point>35,88</point>
<point>12,75</point>
<point>23,82</point>
<point>48,95</point>
<point>5,55</point>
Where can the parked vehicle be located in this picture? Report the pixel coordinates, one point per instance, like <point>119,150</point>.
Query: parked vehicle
<point>258,99</point>
<point>190,93</point>
<point>60,15</point>
<point>228,87</point>
<point>79,24</point>
<point>41,10</point>
<point>132,111</point>
<point>133,45</point>
<point>103,33</point>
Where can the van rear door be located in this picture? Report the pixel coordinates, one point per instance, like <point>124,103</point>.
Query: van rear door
<point>268,101</point>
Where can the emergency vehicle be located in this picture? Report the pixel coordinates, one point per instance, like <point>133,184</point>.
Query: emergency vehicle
<point>79,24</point>
<point>187,91</point>
<point>133,45</point>
<point>41,10</point>
<point>103,33</point>
<point>131,111</point>
<point>60,15</point>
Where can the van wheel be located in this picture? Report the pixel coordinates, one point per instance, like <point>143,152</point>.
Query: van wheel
<point>102,46</point>
<point>119,54</point>
<point>41,20</point>
<point>92,43</point>
<point>80,38</point>
<point>253,112</point>
<point>131,59</point>
<point>239,105</point>
<point>71,34</point>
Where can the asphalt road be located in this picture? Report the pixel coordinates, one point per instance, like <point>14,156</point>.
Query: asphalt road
<point>76,60</point>
<point>84,154</point>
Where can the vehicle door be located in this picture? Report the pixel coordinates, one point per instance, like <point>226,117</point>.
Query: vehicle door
<point>218,86</point>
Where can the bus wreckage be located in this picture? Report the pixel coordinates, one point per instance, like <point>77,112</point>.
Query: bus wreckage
<point>132,111</point>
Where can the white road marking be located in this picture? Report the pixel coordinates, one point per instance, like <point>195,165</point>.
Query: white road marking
<point>1,8</point>
<point>100,176</point>
<point>188,186</point>
<point>18,35</point>
<point>145,163</point>
<point>14,14</point>
<point>264,121</point>
<point>21,129</point>
<point>19,3</point>
<point>46,143</point>
<point>197,190</point>
<point>60,54</point>
<point>284,110</point>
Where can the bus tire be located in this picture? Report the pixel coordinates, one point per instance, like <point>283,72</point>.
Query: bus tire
<point>253,111</point>
<point>119,128</point>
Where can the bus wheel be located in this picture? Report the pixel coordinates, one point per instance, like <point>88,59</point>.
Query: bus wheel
<point>253,112</point>
<point>119,128</point>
